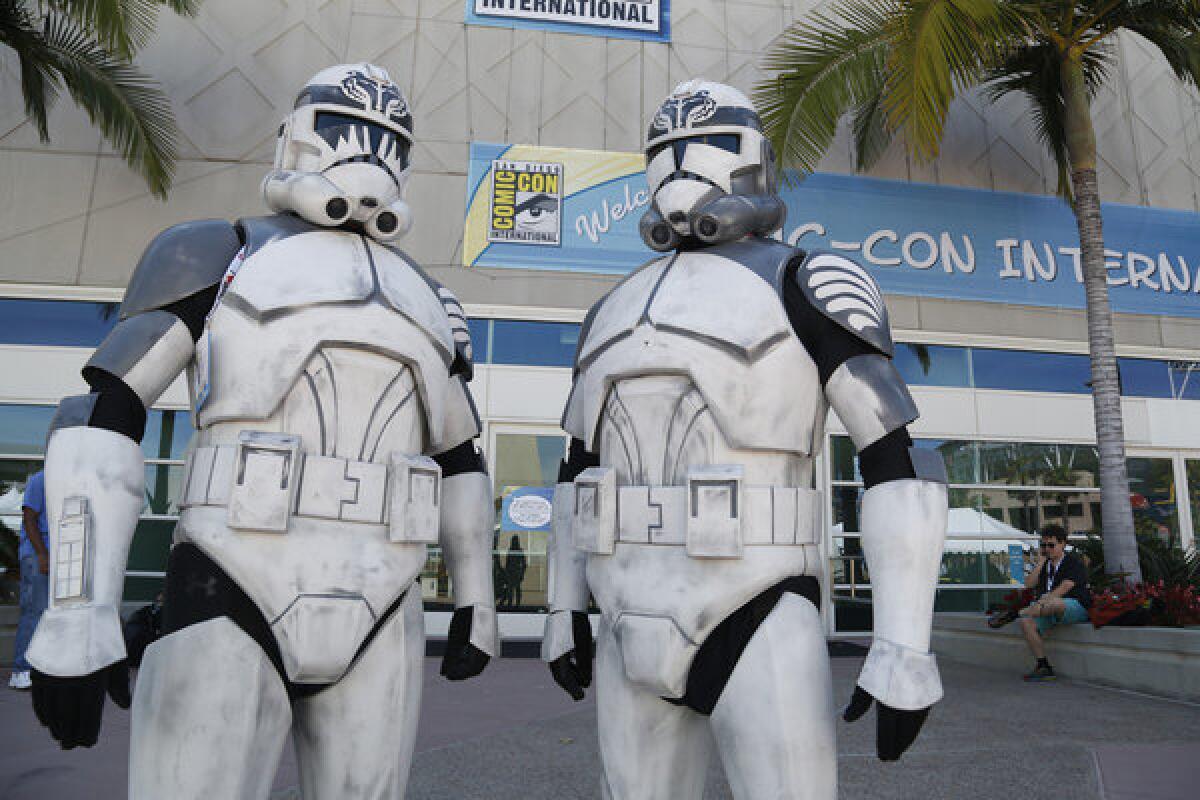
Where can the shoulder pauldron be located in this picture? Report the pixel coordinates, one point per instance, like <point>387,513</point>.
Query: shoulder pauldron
<point>846,293</point>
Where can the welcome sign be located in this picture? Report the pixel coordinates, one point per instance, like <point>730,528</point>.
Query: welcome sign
<point>916,239</point>
<point>628,19</point>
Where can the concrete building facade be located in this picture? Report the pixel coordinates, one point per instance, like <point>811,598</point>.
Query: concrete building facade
<point>74,219</point>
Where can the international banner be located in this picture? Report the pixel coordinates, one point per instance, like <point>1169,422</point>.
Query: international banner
<point>916,239</point>
<point>623,19</point>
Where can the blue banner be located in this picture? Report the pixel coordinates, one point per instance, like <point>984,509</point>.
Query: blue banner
<point>916,239</point>
<point>527,508</point>
<point>649,20</point>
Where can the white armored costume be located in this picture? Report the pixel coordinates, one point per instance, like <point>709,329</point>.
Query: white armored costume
<point>334,443</point>
<point>686,506</point>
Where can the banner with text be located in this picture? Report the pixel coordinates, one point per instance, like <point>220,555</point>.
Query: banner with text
<point>577,210</point>
<point>622,19</point>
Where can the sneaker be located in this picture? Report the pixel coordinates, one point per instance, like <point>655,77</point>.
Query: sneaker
<point>20,680</point>
<point>1001,619</point>
<point>1040,674</point>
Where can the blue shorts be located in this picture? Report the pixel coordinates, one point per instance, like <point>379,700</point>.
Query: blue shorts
<point>1073,614</point>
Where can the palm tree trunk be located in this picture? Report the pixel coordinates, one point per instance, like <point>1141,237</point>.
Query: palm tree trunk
<point>1120,544</point>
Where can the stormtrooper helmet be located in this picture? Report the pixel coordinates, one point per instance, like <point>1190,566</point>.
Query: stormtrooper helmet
<point>710,170</point>
<point>343,153</point>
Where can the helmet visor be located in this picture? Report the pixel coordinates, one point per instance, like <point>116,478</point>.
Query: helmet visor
<point>729,142</point>
<point>373,138</point>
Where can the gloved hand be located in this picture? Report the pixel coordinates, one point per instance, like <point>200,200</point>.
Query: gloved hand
<point>573,670</point>
<point>462,659</point>
<point>895,729</point>
<point>72,707</point>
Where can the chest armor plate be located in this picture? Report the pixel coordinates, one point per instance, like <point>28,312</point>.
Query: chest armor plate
<point>711,321</point>
<point>330,336</point>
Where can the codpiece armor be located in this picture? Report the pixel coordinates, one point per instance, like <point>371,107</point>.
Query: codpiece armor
<point>686,506</point>
<point>334,442</point>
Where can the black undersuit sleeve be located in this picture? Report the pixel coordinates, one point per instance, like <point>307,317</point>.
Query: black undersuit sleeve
<point>460,459</point>
<point>118,408</point>
<point>828,343</point>
<point>578,459</point>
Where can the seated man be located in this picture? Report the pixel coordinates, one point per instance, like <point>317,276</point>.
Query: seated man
<point>1063,597</point>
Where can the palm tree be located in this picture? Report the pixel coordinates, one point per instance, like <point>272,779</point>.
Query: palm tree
<point>896,65</point>
<point>87,48</point>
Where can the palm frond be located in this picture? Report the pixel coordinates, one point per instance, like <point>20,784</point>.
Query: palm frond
<point>21,31</point>
<point>1036,72</point>
<point>871,133</point>
<point>124,103</point>
<point>822,67</point>
<point>122,27</point>
<point>940,48</point>
<point>1178,45</point>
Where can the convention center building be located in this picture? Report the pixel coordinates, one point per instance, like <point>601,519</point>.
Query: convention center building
<point>527,187</point>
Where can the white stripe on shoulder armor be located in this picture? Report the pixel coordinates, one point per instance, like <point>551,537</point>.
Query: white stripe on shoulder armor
<point>847,294</point>
<point>458,322</point>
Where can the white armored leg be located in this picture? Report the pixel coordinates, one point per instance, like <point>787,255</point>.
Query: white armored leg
<point>354,740</point>
<point>650,749</point>
<point>210,717</point>
<point>774,723</point>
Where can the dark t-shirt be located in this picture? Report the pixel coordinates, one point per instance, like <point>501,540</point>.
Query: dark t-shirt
<point>1070,568</point>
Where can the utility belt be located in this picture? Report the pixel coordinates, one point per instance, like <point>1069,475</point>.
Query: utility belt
<point>713,515</point>
<point>265,479</point>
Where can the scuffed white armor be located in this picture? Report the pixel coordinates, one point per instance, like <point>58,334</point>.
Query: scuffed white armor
<point>668,383</point>
<point>349,347</point>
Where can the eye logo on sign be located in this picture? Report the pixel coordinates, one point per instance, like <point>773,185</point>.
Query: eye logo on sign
<point>526,203</point>
<point>684,111</point>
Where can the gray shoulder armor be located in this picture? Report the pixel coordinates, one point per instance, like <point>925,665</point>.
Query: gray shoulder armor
<point>258,232</point>
<point>847,294</point>
<point>182,260</point>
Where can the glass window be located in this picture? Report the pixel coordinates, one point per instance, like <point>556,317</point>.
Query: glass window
<point>1192,466</point>
<point>481,339</point>
<point>961,458</point>
<point>1144,377</point>
<point>167,434</point>
<point>162,491</point>
<point>932,364</point>
<point>1185,379</point>
<point>23,428</point>
<point>543,344</point>
<point>68,323</point>
<point>843,460</point>
<point>1030,371</point>
<point>150,546</point>
<point>1031,464</point>
<point>1152,494</point>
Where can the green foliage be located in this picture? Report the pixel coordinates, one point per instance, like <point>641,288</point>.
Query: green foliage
<point>1159,560</point>
<point>895,66</point>
<point>86,47</point>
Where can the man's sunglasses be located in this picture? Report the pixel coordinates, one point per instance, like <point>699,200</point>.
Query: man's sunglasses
<point>1048,545</point>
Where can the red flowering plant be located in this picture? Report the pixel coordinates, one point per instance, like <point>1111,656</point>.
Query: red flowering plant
<point>1146,604</point>
<point>1015,600</point>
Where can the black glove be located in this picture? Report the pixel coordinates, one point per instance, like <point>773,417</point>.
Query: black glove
<point>573,670</point>
<point>462,659</point>
<point>895,729</point>
<point>72,707</point>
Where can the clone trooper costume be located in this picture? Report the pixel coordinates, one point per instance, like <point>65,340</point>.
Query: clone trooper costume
<point>334,442</point>
<point>686,507</point>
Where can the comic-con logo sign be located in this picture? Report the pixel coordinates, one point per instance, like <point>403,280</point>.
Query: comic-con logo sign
<point>644,16</point>
<point>526,202</point>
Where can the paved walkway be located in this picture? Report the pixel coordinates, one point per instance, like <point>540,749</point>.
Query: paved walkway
<point>512,734</point>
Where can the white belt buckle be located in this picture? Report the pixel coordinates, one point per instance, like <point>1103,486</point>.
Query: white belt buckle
<point>264,481</point>
<point>415,498</point>
<point>715,508</point>
<point>594,518</point>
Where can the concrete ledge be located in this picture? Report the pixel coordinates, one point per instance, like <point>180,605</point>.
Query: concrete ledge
<point>1162,661</point>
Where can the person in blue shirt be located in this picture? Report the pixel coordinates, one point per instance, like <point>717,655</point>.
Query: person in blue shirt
<point>35,569</point>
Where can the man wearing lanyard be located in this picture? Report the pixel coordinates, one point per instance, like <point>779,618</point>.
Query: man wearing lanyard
<point>1063,597</point>
<point>35,565</point>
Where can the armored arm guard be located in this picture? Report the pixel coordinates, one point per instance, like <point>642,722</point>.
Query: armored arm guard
<point>94,470</point>
<point>566,565</point>
<point>839,314</point>
<point>467,509</point>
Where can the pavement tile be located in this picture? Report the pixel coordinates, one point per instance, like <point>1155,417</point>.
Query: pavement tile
<point>512,733</point>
